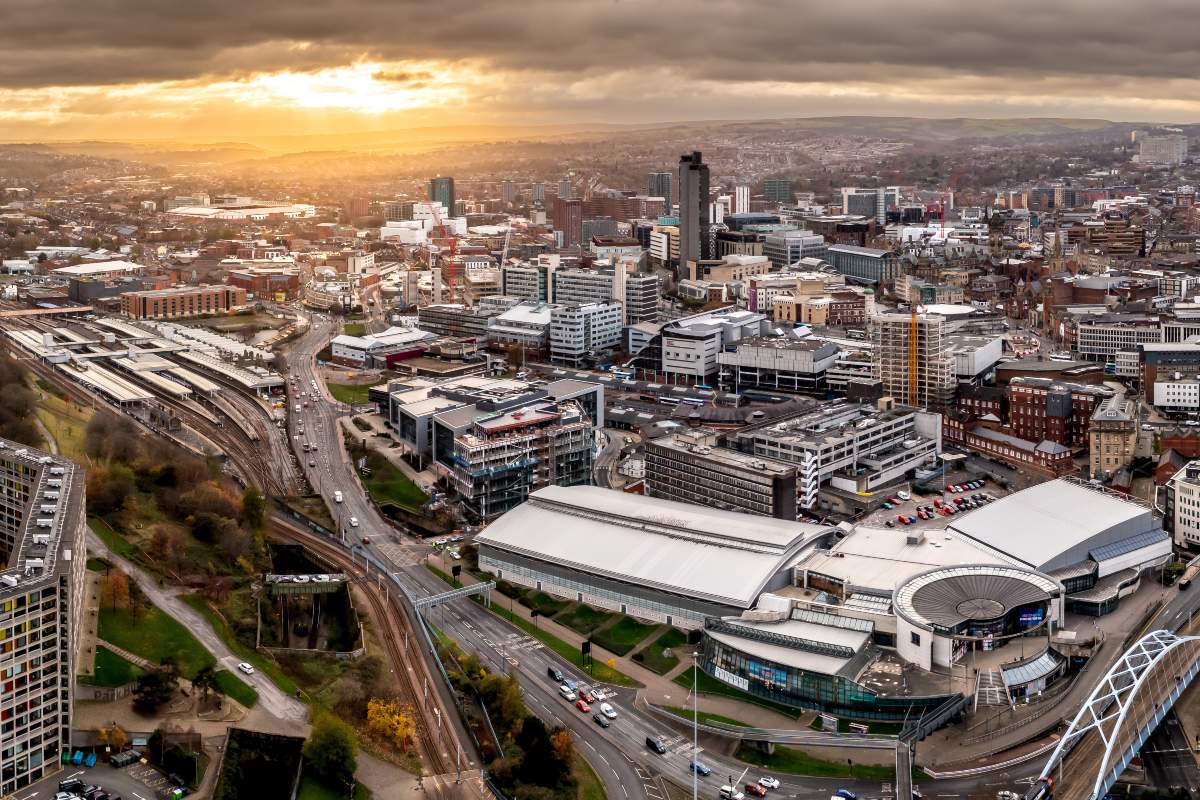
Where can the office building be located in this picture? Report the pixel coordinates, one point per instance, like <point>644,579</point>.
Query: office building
<point>581,333</point>
<point>1112,436</point>
<point>441,190</point>
<point>866,264</point>
<point>182,301</point>
<point>1043,409</point>
<point>398,210</point>
<point>785,248</point>
<point>42,534</point>
<point>778,190</point>
<point>567,215</point>
<point>659,185</point>
<point>689,346</point>
<point>508,192</point>
<point>933,383</point>
<point>496,451</point>
<point>852,446</point>
<point>1101,336</point>
<point>638,293</point>
<point>524,325</point>
<point>1183,489</point>
<point>693,208</point>
<point>690,466</point>
<point>538,193</point>
<point>777,364</point>
<point>1169,149</point>
<point>457,320</point>
<point>870,202</point>
<point>741,199</point>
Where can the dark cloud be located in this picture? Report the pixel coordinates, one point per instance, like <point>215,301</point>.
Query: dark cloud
<point>84,42</point>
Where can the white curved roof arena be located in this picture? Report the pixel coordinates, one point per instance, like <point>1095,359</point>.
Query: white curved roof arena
<point>705,553</point>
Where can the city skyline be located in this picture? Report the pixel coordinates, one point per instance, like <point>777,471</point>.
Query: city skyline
<point>214,70</point>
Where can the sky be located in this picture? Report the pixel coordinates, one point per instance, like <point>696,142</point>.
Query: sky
<point>230,70</point>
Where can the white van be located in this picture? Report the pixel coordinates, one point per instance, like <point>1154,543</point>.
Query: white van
<point>337,497</point>
<point>729,793</point>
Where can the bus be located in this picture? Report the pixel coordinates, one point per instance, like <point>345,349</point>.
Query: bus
<point>703,387</point>
<point>669,401</point>
<point>648,398</point>
<point>693,401</point>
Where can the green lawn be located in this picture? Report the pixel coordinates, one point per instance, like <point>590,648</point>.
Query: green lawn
<point>387,484</point>
<point>235,689</point>
<point>874,726</point>
<point>97,564</point>
<point>704,716</point>
<point>652,657</point>
<point>600,671</point>
<point>354,328</point>
<point>444,576</point>
<point>794,762</point>
<point>247,654</point>
<point>154,636</point>
<point>349,393</point>
<point>710,685</point>
<point>588,786</point>
<point>313,789</point>
<point>115,541</point>
<point>111,670</point>
<point>546,605</point>
<point>623,636</point>
<point>583,619</point>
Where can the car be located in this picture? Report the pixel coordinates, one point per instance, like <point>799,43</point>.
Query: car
<point>582,705</point>
<point>904,495</point>
<point>911,519</point>
<point>888,506</point>
<point>337,496</point>
<point>312,462</point>
<point>939,502</point>
<point>354,522</point>
<point>656,744</point>
<point>894,501</point>
<point>456,555</point>
<point>555,674</point>
<point>584,694</point>
<point>72,786</point>
<point>570,684</point>
<point>602,720</point>
<point>700,768</point>
<point>245,668</point>
<point>567,693</point>
<point>1007,794</point>
<point>756,790</point>
<point>608,711</point>
<point>768,782</point>
<point>887,523</point>
<point>958,501</point>
<point>366,540</point>
<point>845,794</point>
<point>729,793</point>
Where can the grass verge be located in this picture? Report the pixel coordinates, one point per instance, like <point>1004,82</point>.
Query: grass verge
<point>349,393</point>
<point>652,657</point>
<point>354,329</point>
<point>235,689</point>
<point>704,716</point>
<point>387,484</point>
<point>113,540</point>
<point>600,671</point>
<point>111,670</point>
<point>247,654</point>
<point>583,619</point>
<point>874,726</point>
<point>795,762</point>
<point>623,635</point>
<point>313,789</point>
<point>587,783</point>
<point>154,636</point>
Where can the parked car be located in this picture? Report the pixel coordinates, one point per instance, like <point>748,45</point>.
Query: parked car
<point>888,506</point>
<point>887,523</point>
<point>904,495</point>
<point>911,519</point>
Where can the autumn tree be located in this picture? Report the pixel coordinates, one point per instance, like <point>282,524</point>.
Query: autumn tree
<point>391,722</point>
<point>114,589</point>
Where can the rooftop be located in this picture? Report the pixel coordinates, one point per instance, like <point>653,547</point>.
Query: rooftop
<point>719,556</point>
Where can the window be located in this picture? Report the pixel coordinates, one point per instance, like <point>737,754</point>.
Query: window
<point>915,638</point>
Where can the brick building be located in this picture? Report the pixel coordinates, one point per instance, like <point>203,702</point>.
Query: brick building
<point>182,301</point>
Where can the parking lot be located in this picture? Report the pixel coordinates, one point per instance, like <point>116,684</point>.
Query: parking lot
<point>909,507</point>
<point>137,782</point>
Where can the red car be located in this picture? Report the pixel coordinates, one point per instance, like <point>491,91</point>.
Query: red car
<point>366,540</point>
<point>755,789</point>
<point>582,705</point>
<point>586,696</point>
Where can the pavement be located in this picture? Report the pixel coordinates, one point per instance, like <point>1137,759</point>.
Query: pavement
<point>270,698</point>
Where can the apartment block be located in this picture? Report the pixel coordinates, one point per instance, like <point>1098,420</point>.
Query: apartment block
<point>182,301</point>
<point>692,467</point>
<point>42,533</point>
<point>1112,436</point>
<point>579,333</point>
<point>934,381</point>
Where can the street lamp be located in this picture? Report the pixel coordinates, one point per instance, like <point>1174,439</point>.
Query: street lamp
<point>695,727</point>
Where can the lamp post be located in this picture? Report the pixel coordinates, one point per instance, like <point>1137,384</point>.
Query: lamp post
<point>695,727</point>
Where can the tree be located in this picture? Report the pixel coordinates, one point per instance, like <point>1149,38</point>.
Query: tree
<point>391,722</point>
<point>153,690</point>
<point>331,750</point>
<point>205,682</point>
<point>253,507</point>
<point>115,589</point>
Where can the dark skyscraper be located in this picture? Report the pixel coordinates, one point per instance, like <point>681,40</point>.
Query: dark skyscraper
<point>659,185</point>
<point>778,190</point>
<point>694,244</point>
<point>441,190</point>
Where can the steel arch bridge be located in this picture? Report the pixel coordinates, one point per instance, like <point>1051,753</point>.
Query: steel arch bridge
<point>1118,716</point>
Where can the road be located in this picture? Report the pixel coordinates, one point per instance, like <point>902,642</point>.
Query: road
<point>270,698</point>
<point>1168,757</point>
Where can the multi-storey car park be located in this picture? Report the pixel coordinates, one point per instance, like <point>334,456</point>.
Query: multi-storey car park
<point>42,528</point>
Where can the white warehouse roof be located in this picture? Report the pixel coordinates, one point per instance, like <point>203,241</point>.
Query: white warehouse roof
<point>1056,524</point>
<point>718,556</point>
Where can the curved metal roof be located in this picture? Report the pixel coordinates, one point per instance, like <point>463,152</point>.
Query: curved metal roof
<point>946,597</point>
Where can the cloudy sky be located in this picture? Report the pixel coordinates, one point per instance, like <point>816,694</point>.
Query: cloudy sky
<point>231,69</point>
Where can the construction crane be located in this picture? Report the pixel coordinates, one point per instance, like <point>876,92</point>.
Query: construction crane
<point>913,329</point>
<point>440,227</point>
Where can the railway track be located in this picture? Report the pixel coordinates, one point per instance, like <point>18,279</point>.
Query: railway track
<point>436,742</point>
